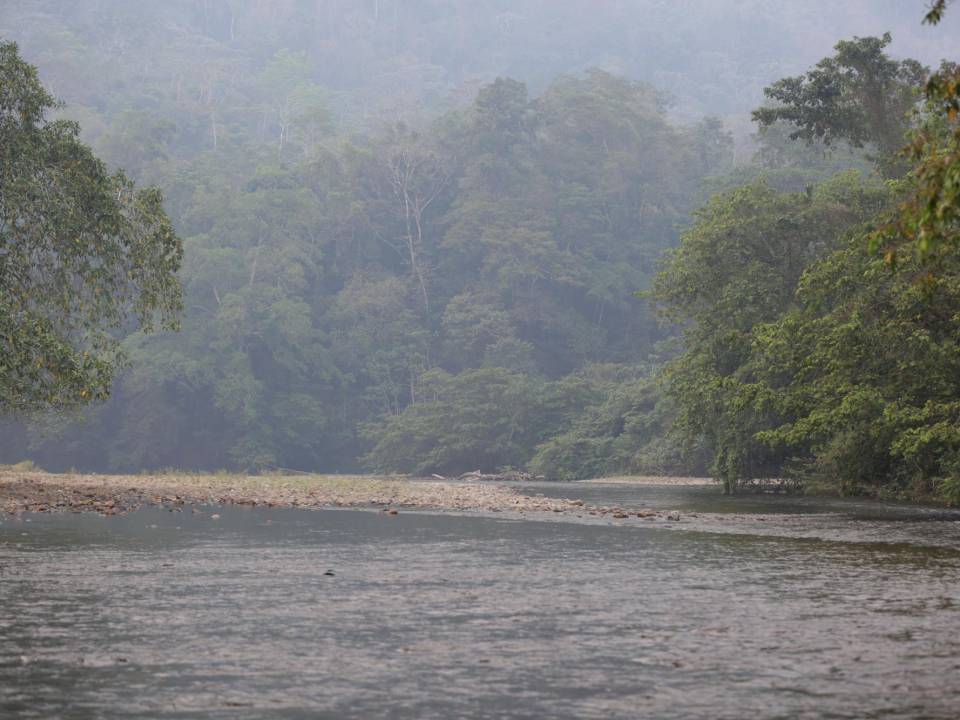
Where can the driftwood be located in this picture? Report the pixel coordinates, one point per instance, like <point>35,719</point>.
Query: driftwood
<point>777,485</point>
<point>508,476</point>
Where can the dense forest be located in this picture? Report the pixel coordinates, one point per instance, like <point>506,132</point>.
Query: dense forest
<point>399,257</point>
<point>191,60</point>
<point>493,251</point>
<point>820,328</point>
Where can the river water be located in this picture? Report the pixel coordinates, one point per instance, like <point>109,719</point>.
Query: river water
<point>745,608</point>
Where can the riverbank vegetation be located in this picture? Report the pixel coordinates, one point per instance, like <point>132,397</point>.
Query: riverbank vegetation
<point>82,250</point>
<point>438,297</point>
<point>821,328</point>
<point>566,276</point>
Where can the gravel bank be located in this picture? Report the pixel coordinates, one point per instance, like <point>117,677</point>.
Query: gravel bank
<point>28,491</point>
<point>31,491</point>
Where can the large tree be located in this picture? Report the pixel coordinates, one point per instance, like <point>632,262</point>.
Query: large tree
<point>860,95</point>
<point>82,254</point>
<point>736,270</point>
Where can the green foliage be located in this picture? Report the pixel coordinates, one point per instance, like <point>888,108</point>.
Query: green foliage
<point>601,420</point>
<point>935,14</point>
<point>328,291</point>
<point>860,95</point>
<point>484,418</point>
<point>80,250</point>
<point>808,355</point>
<point>453,292</point>
<point>736,269</point>
<point>621,428</point>
<point>928,221</point>
<point>863,374</point>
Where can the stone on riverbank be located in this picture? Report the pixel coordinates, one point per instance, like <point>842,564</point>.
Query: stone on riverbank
<point>32,491</point>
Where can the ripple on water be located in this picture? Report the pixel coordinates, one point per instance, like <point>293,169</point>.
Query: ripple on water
<point>440,616</point>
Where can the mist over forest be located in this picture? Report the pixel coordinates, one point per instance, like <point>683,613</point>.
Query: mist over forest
<point>431,236</point>
<point>479,359</point>
<point>416,57</point>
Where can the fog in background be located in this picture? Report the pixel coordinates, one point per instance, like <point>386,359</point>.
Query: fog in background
<point>415,231</point>
<point>712,57</point>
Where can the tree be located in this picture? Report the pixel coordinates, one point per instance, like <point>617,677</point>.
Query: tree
<point>81,251</point>
<point>860,95</point>
<point>489,252</point>
<point>935,14</point>
<point>929,219</point>
<point>735,270</point>
<point>863,376</point>
<point>412,177</point>
<point>479,419</point>
<point>292,102</point>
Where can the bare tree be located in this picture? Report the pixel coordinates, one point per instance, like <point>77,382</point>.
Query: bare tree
<point>417,178</point>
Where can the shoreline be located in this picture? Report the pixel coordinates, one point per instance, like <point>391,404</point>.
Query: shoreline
<point>675,480</point>
<point>34,491</point>
<point>29,492</point>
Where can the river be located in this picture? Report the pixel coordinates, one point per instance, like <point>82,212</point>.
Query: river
<point>745,608</point>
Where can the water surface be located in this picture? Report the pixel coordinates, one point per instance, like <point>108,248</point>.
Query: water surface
<point>353,614</point>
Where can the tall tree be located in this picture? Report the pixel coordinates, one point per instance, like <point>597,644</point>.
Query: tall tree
<point>81,250</point>
<point>859,95</point>
<point>736,270</point>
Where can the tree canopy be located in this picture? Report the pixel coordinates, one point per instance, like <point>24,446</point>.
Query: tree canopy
<point>457,289</point>
<point>339,297</point>
<point>809,356</point>
<point>928,221</point>
<point>859,95</point>
<point>81,249</point>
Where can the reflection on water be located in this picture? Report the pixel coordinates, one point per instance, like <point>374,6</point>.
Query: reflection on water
<point>171,615</point>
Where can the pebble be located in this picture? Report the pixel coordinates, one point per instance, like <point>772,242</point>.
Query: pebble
<point>114,495</point>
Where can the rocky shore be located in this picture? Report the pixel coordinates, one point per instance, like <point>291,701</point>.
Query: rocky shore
<point>31,491</point>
